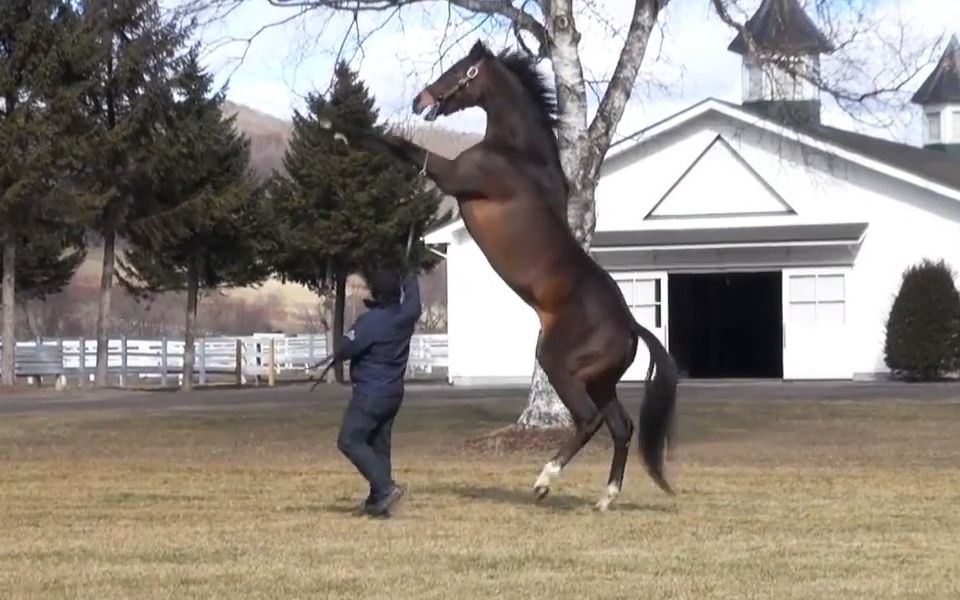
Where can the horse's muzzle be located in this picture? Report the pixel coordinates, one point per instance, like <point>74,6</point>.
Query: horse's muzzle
<point>426,101</point>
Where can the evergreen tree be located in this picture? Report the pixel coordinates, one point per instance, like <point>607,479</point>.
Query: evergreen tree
<point>47,259</point>
<point>134,57</point>
<point>39,94</point>
<point>205,227</point>
<point>340,209</point>
<point>923,329</point>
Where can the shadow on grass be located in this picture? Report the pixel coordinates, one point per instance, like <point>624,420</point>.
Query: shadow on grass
<point>524,497</point>
<point>485,493</point>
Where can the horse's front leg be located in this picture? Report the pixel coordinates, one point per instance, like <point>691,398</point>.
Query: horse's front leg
<point>450,177</point>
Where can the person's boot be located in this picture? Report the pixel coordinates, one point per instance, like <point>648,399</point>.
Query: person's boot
<point>367,503</point>
<point>383,507</point>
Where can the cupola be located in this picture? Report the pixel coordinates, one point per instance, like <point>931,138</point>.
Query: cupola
<point>939,96</point>
<point>786,42</point>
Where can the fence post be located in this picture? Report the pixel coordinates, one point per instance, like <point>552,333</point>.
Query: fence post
<point>239,364</point>
<point>61,380</point>
<point>310,360</point>
<point>82,371</point>
<point>163,362</point>
<point>271,362</point>
<point>123,359</point>
<point>203,361</point>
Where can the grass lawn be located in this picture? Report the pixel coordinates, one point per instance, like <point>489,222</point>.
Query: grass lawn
<point>776,500</point>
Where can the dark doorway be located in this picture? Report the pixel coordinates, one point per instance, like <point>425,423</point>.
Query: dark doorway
<point>726,324</point>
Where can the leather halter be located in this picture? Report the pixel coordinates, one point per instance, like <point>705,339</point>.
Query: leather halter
<point>462,83</point>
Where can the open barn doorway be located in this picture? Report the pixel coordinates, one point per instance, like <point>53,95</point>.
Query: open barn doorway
<point>726,325</point>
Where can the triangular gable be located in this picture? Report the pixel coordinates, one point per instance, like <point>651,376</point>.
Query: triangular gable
<point>719,182</point>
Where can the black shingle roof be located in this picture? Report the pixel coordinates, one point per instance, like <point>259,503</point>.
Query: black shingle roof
<point>781,25</point>
<point>943,84</point>
<point>935,165</point>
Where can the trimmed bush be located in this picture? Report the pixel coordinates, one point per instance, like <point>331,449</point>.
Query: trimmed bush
<point>923,328</point>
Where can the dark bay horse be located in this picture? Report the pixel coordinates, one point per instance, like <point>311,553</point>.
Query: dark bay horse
<point>512,194</point>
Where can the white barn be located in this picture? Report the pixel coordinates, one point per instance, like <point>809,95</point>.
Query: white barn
<point>754,240</point>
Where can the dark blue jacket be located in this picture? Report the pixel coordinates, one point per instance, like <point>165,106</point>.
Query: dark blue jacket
<point>378,344</point>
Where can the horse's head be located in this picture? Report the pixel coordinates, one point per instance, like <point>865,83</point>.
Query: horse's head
<point>457,88</point>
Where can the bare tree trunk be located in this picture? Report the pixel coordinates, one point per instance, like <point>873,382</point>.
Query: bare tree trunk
<point>190,323</point>
<point>582,148</point>
<point>9,307</point>
<point>544,408</point>
<point>103,312</point>
<point>339,306</point>
<point>31,319</point>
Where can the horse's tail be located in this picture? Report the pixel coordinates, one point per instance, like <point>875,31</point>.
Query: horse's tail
<point>657,409</point>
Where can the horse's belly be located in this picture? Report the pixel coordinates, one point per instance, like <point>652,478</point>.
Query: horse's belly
<point>498,234</point>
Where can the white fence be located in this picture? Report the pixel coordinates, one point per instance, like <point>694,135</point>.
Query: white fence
<point>237,359</point>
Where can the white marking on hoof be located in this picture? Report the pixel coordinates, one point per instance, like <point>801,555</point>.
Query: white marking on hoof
<point>603,504</point>
<point>341,138</point>
<point>542,484</point>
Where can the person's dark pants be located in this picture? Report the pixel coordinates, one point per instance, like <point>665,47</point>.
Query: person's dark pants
<point>365,440</point>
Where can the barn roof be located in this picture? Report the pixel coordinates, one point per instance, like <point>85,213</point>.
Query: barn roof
<point>943,84</point>
<point>931,169</point>
<point>934,165</point>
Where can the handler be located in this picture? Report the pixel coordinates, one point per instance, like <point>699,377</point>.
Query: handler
<point>378,347</point>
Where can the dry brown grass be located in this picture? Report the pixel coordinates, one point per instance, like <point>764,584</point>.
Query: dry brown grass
<point>777,500</point>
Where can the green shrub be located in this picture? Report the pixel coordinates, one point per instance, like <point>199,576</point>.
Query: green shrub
<point>923,328</point>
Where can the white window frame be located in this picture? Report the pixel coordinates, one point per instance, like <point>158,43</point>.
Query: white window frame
<point>657,304</point>
<point>816,301</point>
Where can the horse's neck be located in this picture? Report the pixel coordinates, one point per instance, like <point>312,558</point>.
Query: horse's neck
<point>515,123</point>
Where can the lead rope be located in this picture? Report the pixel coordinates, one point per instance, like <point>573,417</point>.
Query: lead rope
<point>413,223</point>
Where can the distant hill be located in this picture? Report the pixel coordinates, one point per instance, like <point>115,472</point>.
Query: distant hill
<point>281,305</point>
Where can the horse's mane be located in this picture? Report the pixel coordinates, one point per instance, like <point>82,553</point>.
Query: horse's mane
<point>533,82</point>
<point>525,69</point>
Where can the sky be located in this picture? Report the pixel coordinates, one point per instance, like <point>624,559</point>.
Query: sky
<point>686,59</point>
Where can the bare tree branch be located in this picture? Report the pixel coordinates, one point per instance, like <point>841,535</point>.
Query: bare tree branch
<point>645,13</point>
<point>519,17</point>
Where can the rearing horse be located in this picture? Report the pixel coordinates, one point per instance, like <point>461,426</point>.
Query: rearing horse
<point>512,194</point>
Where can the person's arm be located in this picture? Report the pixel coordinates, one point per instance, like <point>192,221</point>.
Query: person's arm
<point>410,307</point>
<point>355,341</point>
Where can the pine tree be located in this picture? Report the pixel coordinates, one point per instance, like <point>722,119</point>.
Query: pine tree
<point>923,328</point>
<point>342,210</point>
<point>205,227</point>
<point>133,58</point>
<point>38,109</point>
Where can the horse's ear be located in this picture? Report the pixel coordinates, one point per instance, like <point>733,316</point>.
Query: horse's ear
<point>479,50</point>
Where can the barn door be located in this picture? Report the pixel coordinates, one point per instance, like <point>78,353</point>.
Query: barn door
<point>816,330</point>
<point>646,295</point>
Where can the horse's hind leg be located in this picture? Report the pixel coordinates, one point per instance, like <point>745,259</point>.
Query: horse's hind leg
<point>574,395</point>
<point>621,430</point>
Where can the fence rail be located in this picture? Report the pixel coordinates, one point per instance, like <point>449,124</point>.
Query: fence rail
<point>237,359</point>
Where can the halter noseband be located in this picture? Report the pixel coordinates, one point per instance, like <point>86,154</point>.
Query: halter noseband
<point>462,83</point>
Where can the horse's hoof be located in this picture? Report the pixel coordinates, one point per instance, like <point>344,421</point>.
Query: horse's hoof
<point>541,491</point>
<point>602,505</point>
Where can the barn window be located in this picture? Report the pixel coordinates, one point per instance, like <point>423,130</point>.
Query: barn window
<point>933,127</point>
<point>818,299</point>
<point>644,297</point>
